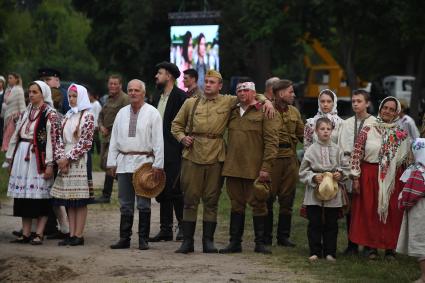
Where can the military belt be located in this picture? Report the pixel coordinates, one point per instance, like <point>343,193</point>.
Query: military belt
<point>207,135</point>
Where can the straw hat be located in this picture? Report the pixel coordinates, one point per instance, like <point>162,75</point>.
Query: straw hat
<point>144,183</point>
<point>261,190</point>
<point>328,188</point>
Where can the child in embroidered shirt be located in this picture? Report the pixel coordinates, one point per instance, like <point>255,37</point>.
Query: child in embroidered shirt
<point>322,156</point>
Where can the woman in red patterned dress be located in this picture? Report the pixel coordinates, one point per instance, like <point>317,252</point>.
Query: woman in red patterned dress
<point>380,151</point>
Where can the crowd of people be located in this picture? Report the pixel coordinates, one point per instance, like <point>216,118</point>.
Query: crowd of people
<point>370,170</point>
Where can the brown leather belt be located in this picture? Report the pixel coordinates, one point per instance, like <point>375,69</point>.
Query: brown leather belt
<point>207,135</point>
<point>147,153</point>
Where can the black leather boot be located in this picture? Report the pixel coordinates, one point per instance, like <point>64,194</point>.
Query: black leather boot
<point>144,229</point>
<point>208,237</point>
<point>237,223</point>
<point>284,230</point>
<point>126,223</point>
<point>268,228</point>
<point>259,235</point>
<point>166,223</point>
<point>188,232</point>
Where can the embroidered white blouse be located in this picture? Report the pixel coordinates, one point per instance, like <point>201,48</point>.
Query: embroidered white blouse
<point>148,137</point>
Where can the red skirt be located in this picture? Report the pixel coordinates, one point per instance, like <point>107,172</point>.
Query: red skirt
<point>366,229</point>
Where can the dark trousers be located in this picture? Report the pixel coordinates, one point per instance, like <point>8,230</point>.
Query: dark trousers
<point>322,230</point>
<point>96,142</point>
<point>171,198</point>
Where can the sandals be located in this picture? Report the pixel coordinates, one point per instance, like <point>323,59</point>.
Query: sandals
<point>22,240</point>
<point>37,240</point>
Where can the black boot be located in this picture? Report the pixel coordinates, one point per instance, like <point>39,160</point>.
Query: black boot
<point>237,223</point>
<point>126,223</point>
<point>208,237</point>
<point>259,235</point>
<point>188,232</point>
<point>284,230</point>
<point>107,190</point>
<point>166,223</point>
<point>178,211</point>
<point>268,228</point>
<point>144,229</point>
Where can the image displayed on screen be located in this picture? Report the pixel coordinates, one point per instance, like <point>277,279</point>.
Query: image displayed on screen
<point>195,47</point>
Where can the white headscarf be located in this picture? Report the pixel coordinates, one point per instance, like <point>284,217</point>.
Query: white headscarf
<point>333,115</point>
<point>47,93</point>
<point>398,110</point>
<point>392,138</point>
<point>83,101</point>
<point>418,149</point>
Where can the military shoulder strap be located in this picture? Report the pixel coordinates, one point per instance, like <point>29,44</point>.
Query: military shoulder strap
<point>192,116</point>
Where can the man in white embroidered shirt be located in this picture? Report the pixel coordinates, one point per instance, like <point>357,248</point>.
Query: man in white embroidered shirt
<point>136,139</point>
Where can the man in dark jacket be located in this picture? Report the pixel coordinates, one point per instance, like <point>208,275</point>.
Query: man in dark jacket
<point>168,103</point>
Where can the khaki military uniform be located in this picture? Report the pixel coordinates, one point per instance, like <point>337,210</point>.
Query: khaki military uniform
<point>285,169</point>
<point>252,147</point>
<point>57,98</point>
<point>107,118</point>
<point>203,161</point>
<point>196,92</point>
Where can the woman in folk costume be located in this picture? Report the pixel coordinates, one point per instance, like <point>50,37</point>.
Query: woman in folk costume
<point>33,149</point>
<point>14,105</point>
<point>377,161</point>
<point>71,185</point>
<point>411,240</point>
<point>327,101</point>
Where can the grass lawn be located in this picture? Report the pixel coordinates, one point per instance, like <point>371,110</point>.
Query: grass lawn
<point>346,269</point>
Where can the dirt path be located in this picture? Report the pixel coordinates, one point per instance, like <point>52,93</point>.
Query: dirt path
<point>95,262</point>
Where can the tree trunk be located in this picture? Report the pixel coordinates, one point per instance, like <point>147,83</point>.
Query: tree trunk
<point>347,50</point>
<point>261,70</point>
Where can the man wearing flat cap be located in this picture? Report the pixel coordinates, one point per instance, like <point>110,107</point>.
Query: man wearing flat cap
<point>199,126</point>
<point>168,103</point>
<point>52,78</point>
<point>252,147</point>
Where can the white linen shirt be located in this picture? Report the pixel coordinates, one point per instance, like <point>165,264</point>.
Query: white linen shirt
<point>149,137</point>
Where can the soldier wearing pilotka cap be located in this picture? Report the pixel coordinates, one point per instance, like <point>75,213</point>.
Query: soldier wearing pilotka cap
<point>199,126</point>
<point>252,147</point>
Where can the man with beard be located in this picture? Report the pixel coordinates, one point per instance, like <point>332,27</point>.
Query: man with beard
<point>168,104</point>
<point>116,100</point>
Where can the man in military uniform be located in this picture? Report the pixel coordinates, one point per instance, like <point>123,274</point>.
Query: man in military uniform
<point>116,100</point>
<point>190,79</point>
<point>285,169</point>
<point>52,78</point>
<point>252,148</point>
<point>199,126</point>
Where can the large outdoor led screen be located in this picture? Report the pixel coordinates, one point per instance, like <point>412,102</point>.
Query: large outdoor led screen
<point>195,47</point>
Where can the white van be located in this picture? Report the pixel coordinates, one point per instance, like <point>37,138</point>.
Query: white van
<point>399,86</point>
